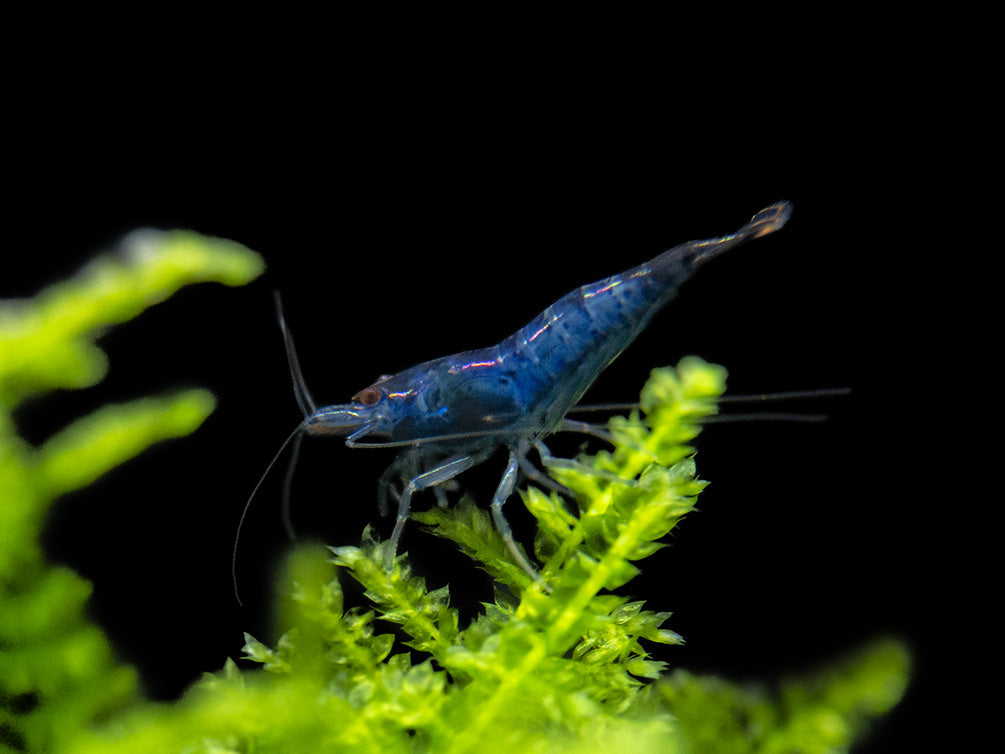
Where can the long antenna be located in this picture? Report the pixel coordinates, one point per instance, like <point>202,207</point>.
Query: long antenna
<point>790,395</point>
<point>303,395</point>
<point>244,513</point>
<point>307,408</point>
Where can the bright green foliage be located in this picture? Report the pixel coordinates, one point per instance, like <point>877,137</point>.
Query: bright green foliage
<point>555,668</point>
<point>560,665</point>
<point>820,714</point>
<point>57,673</point>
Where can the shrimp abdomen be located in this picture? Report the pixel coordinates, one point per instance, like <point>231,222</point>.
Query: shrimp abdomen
<point>561,352</point>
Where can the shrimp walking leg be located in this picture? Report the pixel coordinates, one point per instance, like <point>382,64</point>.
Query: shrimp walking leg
<point>555,462</point>
<point>385,489</point>
<point>533,474</point>
<point>503,491</point>
<point>585,428</point>
<point>437,475</point>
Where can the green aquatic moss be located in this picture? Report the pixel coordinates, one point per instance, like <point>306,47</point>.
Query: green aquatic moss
<point>57,673</point>
<point>816,714</point>
<point>562,665</point>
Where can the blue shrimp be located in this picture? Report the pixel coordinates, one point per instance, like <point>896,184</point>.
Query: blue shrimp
<point>451,413</point>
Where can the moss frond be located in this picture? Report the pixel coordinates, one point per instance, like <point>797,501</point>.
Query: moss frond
<point>817,714</point>
<point>57,672</point>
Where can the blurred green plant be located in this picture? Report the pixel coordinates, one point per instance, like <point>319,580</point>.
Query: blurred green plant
<point>57,672</point>
<point>559,668</point>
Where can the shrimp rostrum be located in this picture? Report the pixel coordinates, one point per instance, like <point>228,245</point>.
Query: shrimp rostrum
<point>451,413</point>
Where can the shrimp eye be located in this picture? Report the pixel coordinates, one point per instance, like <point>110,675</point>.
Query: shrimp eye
<point>368,396</point>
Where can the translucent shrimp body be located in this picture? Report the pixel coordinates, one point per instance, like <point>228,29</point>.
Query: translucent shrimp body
<point>451,413</point>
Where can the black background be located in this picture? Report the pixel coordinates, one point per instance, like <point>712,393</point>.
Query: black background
<point>422,217</point>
